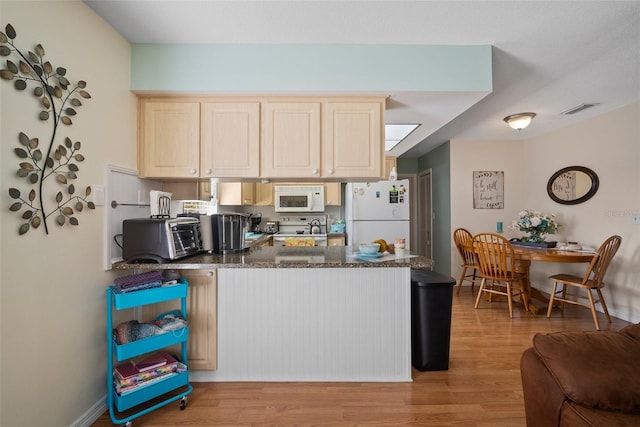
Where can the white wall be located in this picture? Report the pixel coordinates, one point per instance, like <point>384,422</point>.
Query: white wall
<point>469,156</point>
<point>52,286</point>
<point>608,144</point>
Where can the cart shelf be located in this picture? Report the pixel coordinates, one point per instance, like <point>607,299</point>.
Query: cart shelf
<point>144,393</point>
<point>145,345</point>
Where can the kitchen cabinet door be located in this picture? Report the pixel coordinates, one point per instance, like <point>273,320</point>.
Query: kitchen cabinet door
<point>202,306</point>
<point>169,138</point>
<point>335,240</point>
<point>236,193</point>
<point>390,162</point>
<point>264,194</point>
<point>230,145</point>
<point>332,194</point>
<point>352,144</point>
<point>290,139</point>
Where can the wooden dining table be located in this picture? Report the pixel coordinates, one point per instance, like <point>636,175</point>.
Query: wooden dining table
<point>526,254</point>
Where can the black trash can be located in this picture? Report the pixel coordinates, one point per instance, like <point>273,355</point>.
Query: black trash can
<point>431,297</point>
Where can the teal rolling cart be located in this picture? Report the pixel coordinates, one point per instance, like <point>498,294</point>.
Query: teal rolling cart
<point>177,383</point>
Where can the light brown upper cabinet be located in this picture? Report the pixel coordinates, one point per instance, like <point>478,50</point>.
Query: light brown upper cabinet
<point>230,141</point>
<point>291,139</point>
<point>262,137</point>
<point>169,138</point>
<point>327,138</point>
<point>352,145</point>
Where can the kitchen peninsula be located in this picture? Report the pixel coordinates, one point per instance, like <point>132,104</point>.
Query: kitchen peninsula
<point>307,314</point>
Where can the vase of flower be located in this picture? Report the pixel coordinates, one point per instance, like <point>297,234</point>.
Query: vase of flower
<point>536,225</point>
<point>535,236</point>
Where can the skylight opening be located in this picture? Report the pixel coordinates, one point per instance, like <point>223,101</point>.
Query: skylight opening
<point>395,133</point>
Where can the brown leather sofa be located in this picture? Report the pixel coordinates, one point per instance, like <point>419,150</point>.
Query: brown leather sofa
<point>583,378</point>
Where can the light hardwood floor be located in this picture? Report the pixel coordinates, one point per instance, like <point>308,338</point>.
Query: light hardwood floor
<point>481,388</point>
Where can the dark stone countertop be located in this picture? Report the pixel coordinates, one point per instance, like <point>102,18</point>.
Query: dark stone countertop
<point>284,257</point>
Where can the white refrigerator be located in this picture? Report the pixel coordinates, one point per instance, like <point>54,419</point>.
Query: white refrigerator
<point>377,210</point>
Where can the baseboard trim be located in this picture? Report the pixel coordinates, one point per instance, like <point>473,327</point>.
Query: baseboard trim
<point>213,377</point>
<point>92,414</point>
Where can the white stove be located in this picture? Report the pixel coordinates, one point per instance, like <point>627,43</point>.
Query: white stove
<point>301,226</point>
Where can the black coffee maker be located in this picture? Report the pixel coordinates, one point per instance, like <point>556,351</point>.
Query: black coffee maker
<point>255,219</point>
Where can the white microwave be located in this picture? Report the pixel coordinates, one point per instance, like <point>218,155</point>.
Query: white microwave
<point>299,198</point>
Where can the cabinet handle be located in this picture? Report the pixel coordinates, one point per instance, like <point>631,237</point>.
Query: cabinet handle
<point>314,171</point>
<point>208,171</point>
<point>210,273</point>
<point>192,171</point>
<point>330,171</point>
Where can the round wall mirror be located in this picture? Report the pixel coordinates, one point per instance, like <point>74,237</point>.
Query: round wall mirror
<point>572,185</point>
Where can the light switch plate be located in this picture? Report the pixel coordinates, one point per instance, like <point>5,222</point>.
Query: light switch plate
<point>97,191</point>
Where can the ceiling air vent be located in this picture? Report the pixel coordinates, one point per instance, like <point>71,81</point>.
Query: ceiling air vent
<point>579,108</point>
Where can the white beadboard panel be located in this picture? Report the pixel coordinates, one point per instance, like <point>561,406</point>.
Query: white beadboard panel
<point>306,324</point>
<point>124,187</point>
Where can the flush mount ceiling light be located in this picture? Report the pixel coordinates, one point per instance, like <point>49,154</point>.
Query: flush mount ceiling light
<point>519,121</point>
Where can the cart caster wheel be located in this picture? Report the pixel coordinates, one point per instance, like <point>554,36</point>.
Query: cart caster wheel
<point>183,403</point>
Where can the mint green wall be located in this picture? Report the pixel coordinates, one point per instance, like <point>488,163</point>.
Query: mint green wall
<point>407,165</point>
<point>304,68</point>
<point>439,161</point>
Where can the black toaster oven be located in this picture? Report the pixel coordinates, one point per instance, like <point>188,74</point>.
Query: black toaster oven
<point>160,239</point>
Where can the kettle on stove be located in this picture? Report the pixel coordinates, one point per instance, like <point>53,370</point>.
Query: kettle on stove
<point>315,226</point>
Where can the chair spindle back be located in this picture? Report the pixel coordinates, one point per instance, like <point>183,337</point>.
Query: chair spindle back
<point>600,263</point>
<point>495,255</point>
<point>464,243</point>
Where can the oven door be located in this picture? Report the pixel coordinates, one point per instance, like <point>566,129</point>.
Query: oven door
<point>186,240</point>
<point>293,202</point>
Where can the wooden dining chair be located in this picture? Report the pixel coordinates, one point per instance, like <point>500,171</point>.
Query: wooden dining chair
<point>496,259</point>
<point>591,281</point>
<point>463,240</point>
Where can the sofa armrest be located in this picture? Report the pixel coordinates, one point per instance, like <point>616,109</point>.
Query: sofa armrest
<point>543,398</point>
<point>596,369</point>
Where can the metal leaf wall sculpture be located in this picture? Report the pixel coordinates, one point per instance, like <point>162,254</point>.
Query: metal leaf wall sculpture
<point>58,100</point>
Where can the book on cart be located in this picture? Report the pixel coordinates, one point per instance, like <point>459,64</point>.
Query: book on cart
<point>154,361</point>
<point>124,389</point>
<point>135,372</point>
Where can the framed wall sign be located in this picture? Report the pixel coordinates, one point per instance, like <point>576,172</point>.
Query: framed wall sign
<point>488,189</point>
